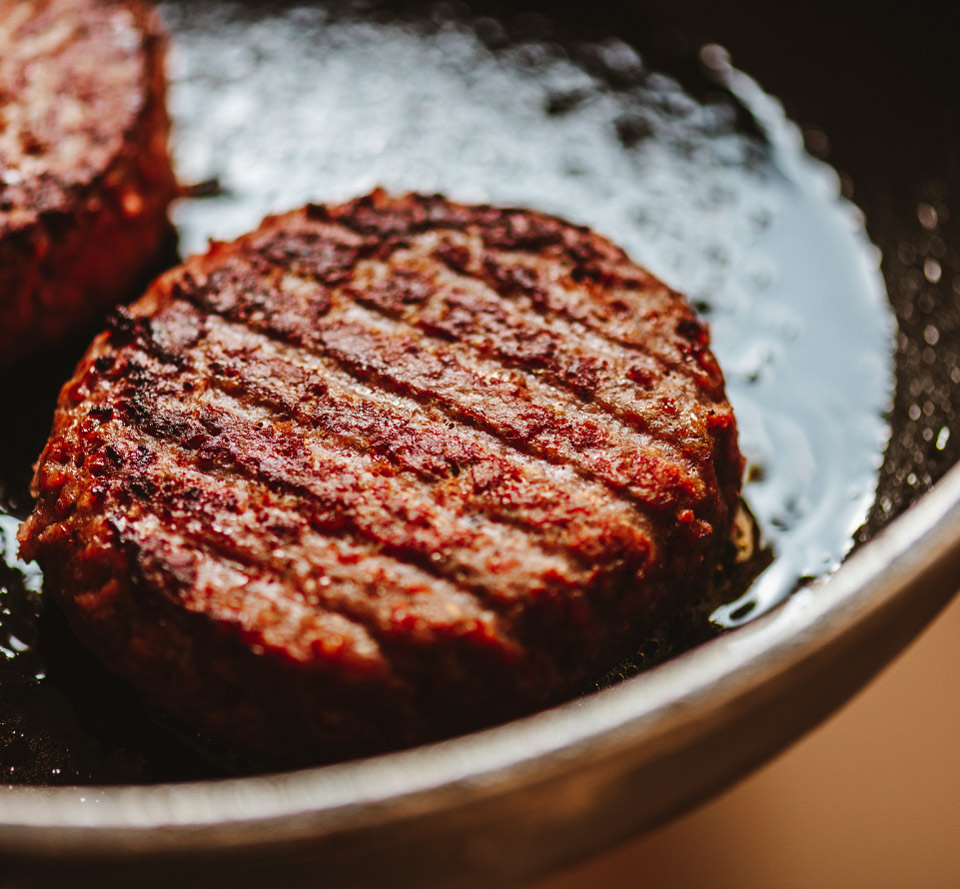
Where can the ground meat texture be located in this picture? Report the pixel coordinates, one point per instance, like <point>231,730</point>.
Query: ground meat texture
<point>384,472</point>
<point>85,177</point>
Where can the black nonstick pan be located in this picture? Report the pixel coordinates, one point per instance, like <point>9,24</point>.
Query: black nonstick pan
<point>825,256</point>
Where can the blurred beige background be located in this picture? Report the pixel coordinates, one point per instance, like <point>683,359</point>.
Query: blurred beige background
<point>870,800</point>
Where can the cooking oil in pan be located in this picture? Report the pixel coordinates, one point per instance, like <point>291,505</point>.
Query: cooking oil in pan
<point>284,105</point>
<point>324,104</point>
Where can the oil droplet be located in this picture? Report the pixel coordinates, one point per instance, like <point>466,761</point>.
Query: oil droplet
<point>932,270</point>
<point>927,215</point>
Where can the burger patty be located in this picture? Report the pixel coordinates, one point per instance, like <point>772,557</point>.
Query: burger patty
<point>384,472</point>
<point>85,178</point>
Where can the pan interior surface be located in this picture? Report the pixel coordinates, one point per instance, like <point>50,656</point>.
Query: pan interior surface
<point>702,179</point>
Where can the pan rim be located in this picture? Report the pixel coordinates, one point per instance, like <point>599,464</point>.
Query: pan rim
<point>645,716</point>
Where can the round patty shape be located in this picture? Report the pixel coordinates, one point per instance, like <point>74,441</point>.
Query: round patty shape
<point>385,472</point>
<point>85,178</point>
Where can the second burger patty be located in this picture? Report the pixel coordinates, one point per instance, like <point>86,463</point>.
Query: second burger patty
<point>385,472</point>
<point>85,176</point>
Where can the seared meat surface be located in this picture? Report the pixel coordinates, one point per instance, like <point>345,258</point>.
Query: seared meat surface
<point>384,472</point>
<point>85,178</point>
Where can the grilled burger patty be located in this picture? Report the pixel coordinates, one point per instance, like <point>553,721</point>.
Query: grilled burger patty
<point>384,472</point>
<point>85,178</point>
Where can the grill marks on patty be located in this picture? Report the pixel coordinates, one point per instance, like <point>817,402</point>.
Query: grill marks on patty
<point>251,371</point>
<point>545,533</point>
<point>445,451</point>
<point>233,589</point>
<point>464,466</point>
<point>506,398</point>
<point>396,603</point>
<point>565,353</point>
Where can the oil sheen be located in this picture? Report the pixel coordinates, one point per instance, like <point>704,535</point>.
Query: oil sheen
<point>320,104</point>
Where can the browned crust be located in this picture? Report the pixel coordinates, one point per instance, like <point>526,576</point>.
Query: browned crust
<point>85,175</point>
<point>385,472</point>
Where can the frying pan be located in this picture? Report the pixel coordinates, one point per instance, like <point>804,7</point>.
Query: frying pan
<point>877,98</point>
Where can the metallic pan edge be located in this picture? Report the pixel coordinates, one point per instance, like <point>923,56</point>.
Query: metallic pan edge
<point>516,800</point>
